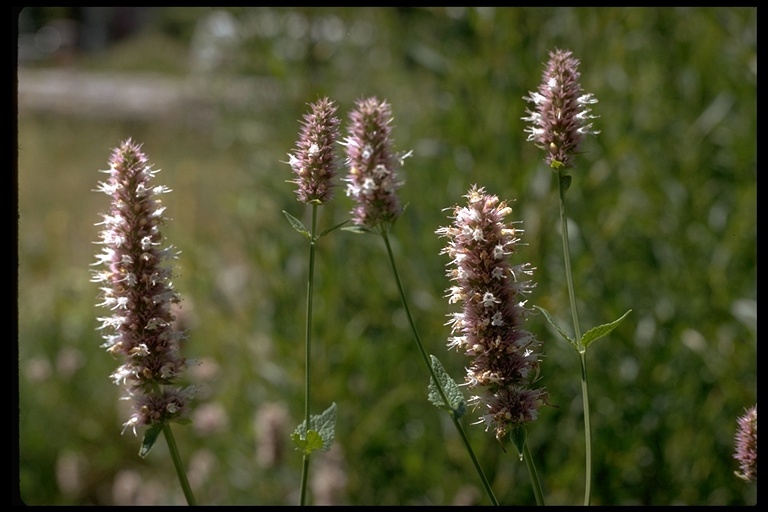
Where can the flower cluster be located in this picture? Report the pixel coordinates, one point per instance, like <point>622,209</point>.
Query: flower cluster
<point>746,445</point>
<point>489,328</point>
<point>313,161</point>
<point>372,180</point>
<point>137,289</point>
<point>560,119</point>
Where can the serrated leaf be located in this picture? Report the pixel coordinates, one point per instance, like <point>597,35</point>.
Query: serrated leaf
<point>601,330</point>
<point>313,442</point>
<point>325,424</point>
<point>297,224</point>
<point>557,327</point>
<point>334,228</point>
<point>298,438</point>
<point>457,406</point>
<point>322,425</point>
<point>150,438</point>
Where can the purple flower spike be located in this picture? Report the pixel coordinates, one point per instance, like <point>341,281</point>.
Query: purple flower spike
<point>137,290</point>
<point>372,180</point>
<point>313,161</point>
<point>561,117</point>
<point>489,328</point>
<point>746,445</point>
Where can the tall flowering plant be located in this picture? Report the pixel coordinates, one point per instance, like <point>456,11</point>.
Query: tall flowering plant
<point>314,165</point>
<point>560,119</point>
<point>372,182</point>
<point>490,328</point>
<point>136,288</point>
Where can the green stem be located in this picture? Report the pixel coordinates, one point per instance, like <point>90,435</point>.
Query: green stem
<point>178,465</point>
<point>566,253</point>
<point>308,352</point>
<point>425,358</point>
<point>563,180</point>
<point>535,482</point>
<point>587,428</point>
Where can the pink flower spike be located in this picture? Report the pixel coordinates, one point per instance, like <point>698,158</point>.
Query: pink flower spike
<point>560,118</point>
<point>313,161</point>
<point>746,445</point>
<point>137,291</point>
<point>504,356</point>
<point>372,180</point>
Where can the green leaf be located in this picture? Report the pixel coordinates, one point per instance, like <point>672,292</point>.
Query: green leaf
<point>322,428</point>
<point>601,330</point>
<point>150,438</point>
<point>457,406</point>
<point>334,228</point>
<point>518,435</point>
<point>313,442</point>
<point>325,424</point>
<point>356,229</point>
<point>297,224</point>
<point>553,324</point>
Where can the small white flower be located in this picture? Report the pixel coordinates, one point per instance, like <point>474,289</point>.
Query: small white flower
<point>552,83</point>
<point>489,300</point>
<point>140,350</point>
<point>131,423</point>
<point>456,294</point>
<point>369,186</point>
<point>456,341</point>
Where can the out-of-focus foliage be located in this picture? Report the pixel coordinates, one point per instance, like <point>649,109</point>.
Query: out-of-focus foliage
<point>663,212</point>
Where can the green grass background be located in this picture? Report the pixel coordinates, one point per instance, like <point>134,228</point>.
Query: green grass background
<point>663,211</point>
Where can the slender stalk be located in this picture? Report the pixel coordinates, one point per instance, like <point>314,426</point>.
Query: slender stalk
<point>563,182</point>
<point>566,252</point>
<point>308,337</point>
<point>472,456</point>
<point>587,427</point>
<point>535,482</point>
<point>178,464</point>
<point>425,358</point>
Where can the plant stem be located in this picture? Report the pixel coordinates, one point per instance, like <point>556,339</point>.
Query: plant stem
<point>178,465</point>
<point>535,482</point>
<point>563,180</point>
<point>567,255</point>
<point>587,428</point>
<point>425,358</point>
<point>308,337</point>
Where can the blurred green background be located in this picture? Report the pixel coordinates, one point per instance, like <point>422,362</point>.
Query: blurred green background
<point>663,211</point>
